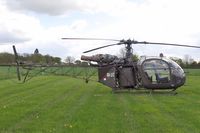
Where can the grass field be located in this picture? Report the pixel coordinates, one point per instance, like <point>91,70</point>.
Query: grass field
<point>62,104</point>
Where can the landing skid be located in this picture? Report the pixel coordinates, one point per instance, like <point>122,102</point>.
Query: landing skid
<point>171,91</point>
<point>151,91</point>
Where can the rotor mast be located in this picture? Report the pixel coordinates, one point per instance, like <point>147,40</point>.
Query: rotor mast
<point>129,50</point>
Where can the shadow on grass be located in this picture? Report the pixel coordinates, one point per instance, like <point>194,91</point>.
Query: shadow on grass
<point>146,92</point>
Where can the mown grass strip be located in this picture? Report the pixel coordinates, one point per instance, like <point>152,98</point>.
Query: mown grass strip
<point>63,104</point>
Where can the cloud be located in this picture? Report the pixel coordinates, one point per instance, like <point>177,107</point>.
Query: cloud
<point>11,37</point>
<point>57,7</point>
<point>171,21</point>
<point>60,7</point>
<point>17,27</point>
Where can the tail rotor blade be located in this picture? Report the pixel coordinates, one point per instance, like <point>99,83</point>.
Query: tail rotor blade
<point>17,63</point>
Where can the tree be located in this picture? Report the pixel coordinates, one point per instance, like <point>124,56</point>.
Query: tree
<point>188,59</point>
<point>37,58</point>
<point>194,64</point>
<point>57,60</point>
<point>84,63</point>
<point>69,59</point>
<point>135,57</point>
<point>178,61</point>
<point>122,53</point>
<point>6,58</point>
<point>36,51</point>
<point>78,62</point>
<point>48,59</point>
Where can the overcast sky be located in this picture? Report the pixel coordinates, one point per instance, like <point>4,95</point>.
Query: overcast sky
<point>41,24</point>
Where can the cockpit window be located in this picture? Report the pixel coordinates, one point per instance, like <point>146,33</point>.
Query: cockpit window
<point>176,69</point>
<point>156,71</point>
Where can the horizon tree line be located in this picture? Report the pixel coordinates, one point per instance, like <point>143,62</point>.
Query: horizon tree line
<point>37,58</point>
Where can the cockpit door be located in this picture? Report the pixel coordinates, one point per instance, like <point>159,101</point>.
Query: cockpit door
<point>156,71</point>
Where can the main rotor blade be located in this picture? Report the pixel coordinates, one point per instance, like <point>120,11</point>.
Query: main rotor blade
<point>74,38</point>
<point>169,44</point>
<point>103,47</point>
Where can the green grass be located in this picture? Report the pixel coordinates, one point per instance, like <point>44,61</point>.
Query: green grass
<point>7,72</point>
<point>192,72</point>
<point>62,104</point>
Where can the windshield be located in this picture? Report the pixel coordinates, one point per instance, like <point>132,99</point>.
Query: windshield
<point>176,69</point>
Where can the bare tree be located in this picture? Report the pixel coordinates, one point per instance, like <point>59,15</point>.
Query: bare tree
<point>122,53</point>
<point>188,59</point>
<point>69,59</point>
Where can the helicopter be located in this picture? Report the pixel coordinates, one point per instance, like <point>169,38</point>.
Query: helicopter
<point>152,73</point>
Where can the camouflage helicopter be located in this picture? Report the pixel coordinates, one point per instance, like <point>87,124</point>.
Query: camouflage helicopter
<point>153,73</point>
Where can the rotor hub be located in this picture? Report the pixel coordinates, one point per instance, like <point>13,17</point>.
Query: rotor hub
<point>128,44</point>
